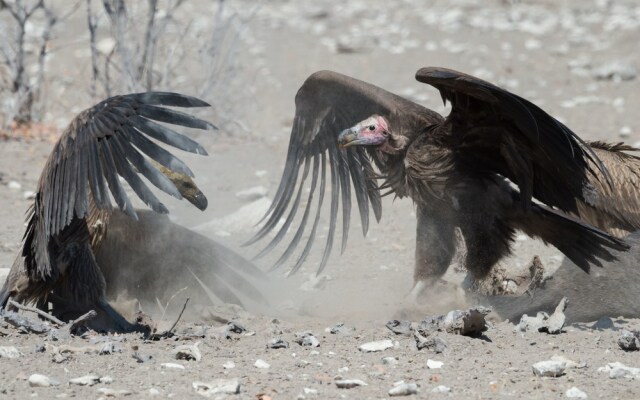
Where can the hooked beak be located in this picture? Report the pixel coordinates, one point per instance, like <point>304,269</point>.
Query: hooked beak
<point>348,137</point>
<point>199,200</point>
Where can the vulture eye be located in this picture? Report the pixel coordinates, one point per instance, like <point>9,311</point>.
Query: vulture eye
<point>372,127</point>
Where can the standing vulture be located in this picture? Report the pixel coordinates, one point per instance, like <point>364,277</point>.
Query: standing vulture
<point>72,203</point>
<point>479,169</point>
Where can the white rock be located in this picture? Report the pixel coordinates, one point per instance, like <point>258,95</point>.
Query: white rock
<point>349,383</point>
<point>14,185</point>
<point>253,193</point>
<point>172,366</point>
<point>389,360</point>
<point>575,393</point>
<point>441,389</point>
<point>154,392</point>
<point>569,363</point>
<point>38,380</point>
<point>108,392</point>
<point>106,45</point>
<point>87,380</point>
<point>229,365</point>
<point>9,352</point>
<point>618,370</point>
<point>309,391</point>
<point>187,352</point>
<point>616,70</point>
<point>379,345</point>
<point>28,195</point>
<point>433,364</point>
<point>261,172</point>
<point>549,368</point>
<point>404,389</point>
<point>262,364</point>
<point>217,386</point>
<point>106,379</point>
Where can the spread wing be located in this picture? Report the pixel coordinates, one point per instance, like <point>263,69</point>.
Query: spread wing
<point>513,137</point>
<point>100,145</point>
<point>617,209</point>
<point>326,104</point>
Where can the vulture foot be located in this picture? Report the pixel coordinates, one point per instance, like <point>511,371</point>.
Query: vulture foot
<point>107,320</point>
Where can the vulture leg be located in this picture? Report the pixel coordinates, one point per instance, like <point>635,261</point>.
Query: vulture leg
<point>435,246</point>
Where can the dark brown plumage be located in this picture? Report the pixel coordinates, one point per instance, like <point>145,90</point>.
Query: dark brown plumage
<point>72,203</point>
<point>616,209</point>
<point>457,170</point>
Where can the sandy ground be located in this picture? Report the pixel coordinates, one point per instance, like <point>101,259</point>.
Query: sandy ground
<point>552,53</point>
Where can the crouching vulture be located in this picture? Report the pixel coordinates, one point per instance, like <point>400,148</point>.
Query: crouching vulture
<point>478,169</point>
<point>72,204</point>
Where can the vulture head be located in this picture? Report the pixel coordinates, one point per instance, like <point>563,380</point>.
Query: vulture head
<point>373,131</point>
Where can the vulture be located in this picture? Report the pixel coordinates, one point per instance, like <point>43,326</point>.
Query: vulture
<point>73,201</point>
<point>495,164</point>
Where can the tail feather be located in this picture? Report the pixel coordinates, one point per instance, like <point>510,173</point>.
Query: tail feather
<point>581,243</point>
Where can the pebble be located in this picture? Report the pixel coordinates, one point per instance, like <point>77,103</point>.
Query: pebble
<point>469,322</point>
<point>309,391</point>
<point>262,364</point>
<point>38,380</point>
<point>253,193</point>
<point>399,327</point>
<point>9,352</point>
<point>278,343</point>
<point>339,328</point>
<point>549,368</point>
<point>616,70</point>
<point>628,341</point>
<point>349,383</point>
<point>113,392</point>
<point>141,357</point>
<point>229,365</point>
<point>618,370</point>
<point>575,393</point>
<point>403,389</point>
<point>172,366</point>
<point>389,361</point>
<point>87,380</point>
<point>217,386</point>
<point>556,321</point>
<point>433,364</point>
<point>14,185</point>
<point>29,195</point>
<point>434,343</point>
<point>379,345</point>
<point>441,389</point>
<point>307,339</point>
<point>187,352</point>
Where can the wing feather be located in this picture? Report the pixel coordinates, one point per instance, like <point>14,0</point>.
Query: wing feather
<point>97,148</point>
<point>326,104</point>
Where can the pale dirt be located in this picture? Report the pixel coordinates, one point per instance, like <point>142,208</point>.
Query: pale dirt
<point>367,284</point>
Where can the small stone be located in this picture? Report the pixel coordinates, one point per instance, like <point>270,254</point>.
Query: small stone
<point>618,370</point>
<point>154,392</point>
<point>229,365</point>
<point>404,389</point>
<point>616,71</point>
<point>628,341</point>
<point>261,364</point>
<point>469,322</point>
<point>141,357</point>
<point>9,352</point>
<point>38,380</point>
<point>278,343</point>
<point>569,363</point>
<point>549,368</point>
<point>14,185</point>
<point>575,393</point>
<point>556,321</point>
<point>87,380</point>
<point>389,361</point>
<point>253,193</point>
<point>349,383</point>
<point>532,324</point>
<point>434,343</point>
<point>399,327</point>
<point>307,339</point>
<point>29,195</point>
<point>172,366</point>
<point>187,352</point>
<point>339,328</point>
<point>309,391</point>
<point>433,364</point>
<point>217,386</point>
<point>108,392</point>
<point>106,379</point>
<point>441,389</point>
<point>376,346</point>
